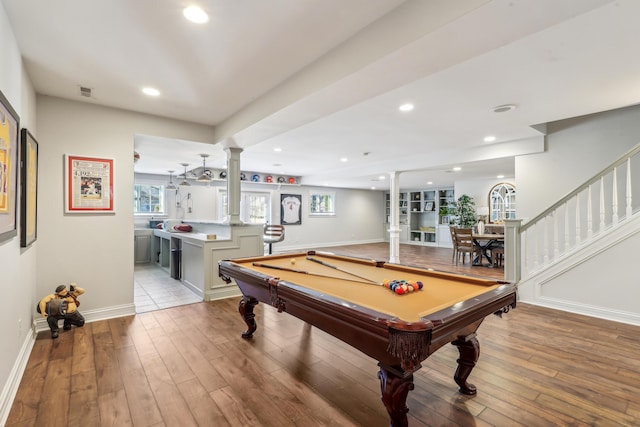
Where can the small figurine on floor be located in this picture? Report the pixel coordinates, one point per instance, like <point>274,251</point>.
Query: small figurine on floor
<point>63,304</point>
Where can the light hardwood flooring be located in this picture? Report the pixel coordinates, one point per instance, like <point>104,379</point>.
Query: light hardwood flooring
<point>188,366</point>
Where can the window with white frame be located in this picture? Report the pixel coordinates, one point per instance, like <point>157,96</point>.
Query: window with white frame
<point>148,199</point>
<point>322,203</point>
<point>255,207</point>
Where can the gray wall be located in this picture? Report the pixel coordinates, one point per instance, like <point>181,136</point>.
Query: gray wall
<point>577,149</point>
<point>17,265</point>
<point>359,213</point>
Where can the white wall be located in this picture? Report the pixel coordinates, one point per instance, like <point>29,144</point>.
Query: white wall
<point>96,251</point>
<point>479,189</point>
<point>359,213</point>
<point>577,149</point>
<point>599,278</point>
<point>18,265</point>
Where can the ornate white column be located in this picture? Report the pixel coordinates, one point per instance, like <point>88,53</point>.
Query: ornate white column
<point>233,185</point>
<point>394,226</point>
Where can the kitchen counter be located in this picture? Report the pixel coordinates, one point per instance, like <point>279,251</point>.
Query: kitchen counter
<point>197,267</point>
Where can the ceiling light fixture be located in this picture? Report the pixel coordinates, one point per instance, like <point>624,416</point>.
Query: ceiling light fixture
<point>489,138</point>
<point>171,185</point>
<point>277,149</point>
<point>500,176</point>
<point>504,108</point>
<point>406,107</point>
<point>151,91</point>
<point>344,159</point>
<point>195,15</point>
<point>457,169</point>
<point>184,181</point>
<point>205,176</point>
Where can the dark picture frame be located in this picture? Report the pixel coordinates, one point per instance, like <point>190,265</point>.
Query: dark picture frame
<point>9,130</point>
<point>290,209</point>
<point>29,188</point>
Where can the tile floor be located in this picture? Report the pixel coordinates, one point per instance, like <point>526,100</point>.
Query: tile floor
<point>154,289</point>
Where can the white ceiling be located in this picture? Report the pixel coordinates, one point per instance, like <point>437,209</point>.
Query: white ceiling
<point>322,79</point>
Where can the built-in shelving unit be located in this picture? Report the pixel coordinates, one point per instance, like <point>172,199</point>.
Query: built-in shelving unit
<point>445,200</point>
<point>419,214</point>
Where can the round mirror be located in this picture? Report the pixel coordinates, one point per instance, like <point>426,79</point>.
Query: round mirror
<point>502,202</point>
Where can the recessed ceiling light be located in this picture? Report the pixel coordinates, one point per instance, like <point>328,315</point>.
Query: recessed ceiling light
<point>406,107</point>
<point>429,182</point>
<point>151,91</point>
<point>382,177</point>
<point>504,108</point>
<point>278,149</point>
<point>457,169</point>
<point>373,188</point>
<point>500,176</point>
<point>344,159</point>
<point>489,138</point>
<point>195,14</point>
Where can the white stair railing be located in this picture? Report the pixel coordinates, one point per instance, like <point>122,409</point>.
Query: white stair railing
<point>574,220</point>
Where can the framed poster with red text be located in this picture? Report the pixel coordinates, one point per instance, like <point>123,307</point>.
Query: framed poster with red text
<point>88,184</point>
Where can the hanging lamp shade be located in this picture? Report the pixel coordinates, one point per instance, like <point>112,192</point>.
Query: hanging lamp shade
<point>184,181</point>
<point>206,174</point>
<point>171,185</point>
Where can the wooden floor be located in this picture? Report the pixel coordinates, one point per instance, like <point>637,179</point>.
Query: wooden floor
<point>188,366</point>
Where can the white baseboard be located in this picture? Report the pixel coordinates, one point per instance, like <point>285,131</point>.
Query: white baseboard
<point>587,310</point>
<point>15,376</point>
<point>221,292</point>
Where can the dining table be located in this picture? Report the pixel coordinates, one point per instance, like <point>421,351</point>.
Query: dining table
<point>486,241</point>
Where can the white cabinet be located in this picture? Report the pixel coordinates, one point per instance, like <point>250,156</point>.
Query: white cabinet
<point>403,234</point>
<point>444,236</point>
<point>142,248</point>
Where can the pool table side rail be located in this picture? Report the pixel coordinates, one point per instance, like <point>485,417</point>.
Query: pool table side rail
<point>445,275</point>
<point>349,258</point>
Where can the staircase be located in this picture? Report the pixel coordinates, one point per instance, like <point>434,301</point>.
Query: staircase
<point>581,253</point>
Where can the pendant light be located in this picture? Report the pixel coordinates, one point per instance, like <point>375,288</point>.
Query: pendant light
<point>184,181</point>
<point>171,185</point>
<point>205,176</point>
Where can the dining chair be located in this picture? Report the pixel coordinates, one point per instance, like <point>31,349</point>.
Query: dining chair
<point>454,255</point>
<point>497,255</point>
<point>465,245</point>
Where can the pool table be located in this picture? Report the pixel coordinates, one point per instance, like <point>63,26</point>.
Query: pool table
<point>346,297</point>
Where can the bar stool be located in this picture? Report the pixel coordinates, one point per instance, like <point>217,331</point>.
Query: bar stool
<point>273,234</point>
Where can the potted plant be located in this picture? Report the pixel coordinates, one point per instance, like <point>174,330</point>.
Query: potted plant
<point>464,211</point>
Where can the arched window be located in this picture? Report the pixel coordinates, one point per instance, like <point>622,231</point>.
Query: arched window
<point>502,202</point>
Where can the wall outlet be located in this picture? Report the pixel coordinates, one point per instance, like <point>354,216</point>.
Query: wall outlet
<point>19,327</point>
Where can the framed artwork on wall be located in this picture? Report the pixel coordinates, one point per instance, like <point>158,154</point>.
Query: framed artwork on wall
<point>290,208</point>
<point>29,188</point>
<point>88,184</point>
<point>9,125</point>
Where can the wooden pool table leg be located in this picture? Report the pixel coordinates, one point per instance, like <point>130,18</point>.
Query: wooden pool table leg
<point>469,349</point>
<point>395,386</point>
<point>245,307</point>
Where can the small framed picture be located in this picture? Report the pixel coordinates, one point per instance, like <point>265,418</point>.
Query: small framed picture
<point>29,188</point>
<point>428,206</point>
